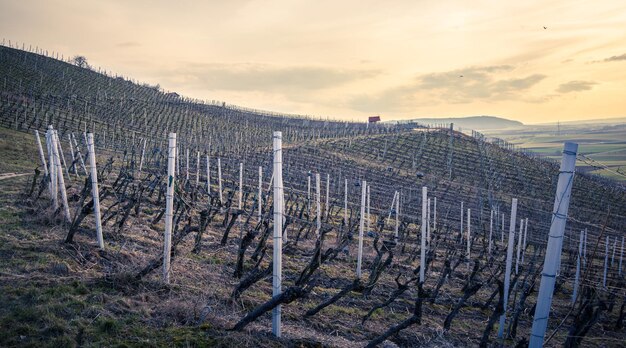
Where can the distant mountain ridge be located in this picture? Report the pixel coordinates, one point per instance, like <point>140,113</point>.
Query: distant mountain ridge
<point>473,122</point>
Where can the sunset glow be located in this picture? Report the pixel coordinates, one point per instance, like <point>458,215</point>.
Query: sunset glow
<point>531,61</point>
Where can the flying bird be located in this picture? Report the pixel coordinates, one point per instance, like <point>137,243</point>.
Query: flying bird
<point>545,27</point>
<point>460,75</point>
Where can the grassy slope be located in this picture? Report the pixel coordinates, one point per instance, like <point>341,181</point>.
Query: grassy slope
<point>55,295</point>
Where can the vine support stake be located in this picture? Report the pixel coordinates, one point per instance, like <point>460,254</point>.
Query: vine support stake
<point>318,207</point>
<point>423,238</point>
<point>169,206</point>
<point>555,243</point>
<point>509,262</point>
<point>278,230</point>
<point>94,189</point>
<point>361,228</point>
<point>60,180</point>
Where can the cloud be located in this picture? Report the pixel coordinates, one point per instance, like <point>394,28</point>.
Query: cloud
<point>128,44</point>
<point>262,77</point>
<point>456,86</point>
<point>616,58</point>
<point>575,86</point>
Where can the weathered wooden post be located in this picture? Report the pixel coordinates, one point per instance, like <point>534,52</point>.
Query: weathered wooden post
<point>197,168</point>
<point>555,238</point>
<point>260,194</point>
<point>308,195</point>
<point>318,208</point>
<point>428,221</point>
<point>61,180</point>
<point>219,180</point>
<point>606,261</point>
<point>613,254</point>
<point>169,205</point>
<point>502,230</point>
<point>95,194</point>
<point>509,262</point>
<point>397,225</point>
<point>361,228</point>
<point>525,240</point>
<point>369,217</point>
<point>435,214</point>
<point>621,255</point>
<point>519,245</point>
<point>54,192</point>
<point>240,198</point>
<point>327,205</point>
<point>461,231</point>
<point>143,153</point>
<point>577,278</point>
<point>80,156</point>
<point>186,164</point>
<point>469,234</point>
<point>208,174</point>
<point>345,203</point>
<point>423,237</point>
<point>73,166</point>
<point>490,232</point>
<point>277,264</point>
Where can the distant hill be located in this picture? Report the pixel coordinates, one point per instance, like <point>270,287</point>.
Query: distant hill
<point>615,121</point>
<point>473,122</point>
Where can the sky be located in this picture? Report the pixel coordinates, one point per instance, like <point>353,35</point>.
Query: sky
<point>531,61</point>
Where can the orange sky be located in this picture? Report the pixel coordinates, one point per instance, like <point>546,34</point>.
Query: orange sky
<point>350,59</point>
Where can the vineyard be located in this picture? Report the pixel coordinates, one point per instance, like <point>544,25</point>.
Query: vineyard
<point>147,219</point>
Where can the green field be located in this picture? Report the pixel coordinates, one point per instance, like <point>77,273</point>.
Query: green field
<point>604,146</point>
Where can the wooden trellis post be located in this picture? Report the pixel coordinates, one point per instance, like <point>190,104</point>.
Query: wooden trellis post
<point>345,203</point>
<point>208,174</point>
<point>428,221</point>
<point>54,192</point>
<point>423,237</point>
<point>397,225</point>
<point>73,167</point>
<point>278,230</point>
<point>60,178</point>
<point>606,261</point>
<point>327,206</point>
<point>240,201</point>
<point>525,240</point>
<point>490,232</point>
<point>143,153</point>
<point>369,217</point>
<point>461,222</point>
<point>577,277</point>
<point>80,156</point>
<point>361,228</point>
<point>621,255</point>
<point>318,208</point>
<point>469,234</point>
<point>219,180</point>
<point>197,168</point>
<point>95,194</point>
<point>555,242</point>
<point>169,206</point>
<point>260,194</point>
<point>435,214</point>
<point>509,262</point>
<point>519,245</point>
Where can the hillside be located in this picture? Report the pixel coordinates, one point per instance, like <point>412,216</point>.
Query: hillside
<point>62,290</point>
<point>479,123</point>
